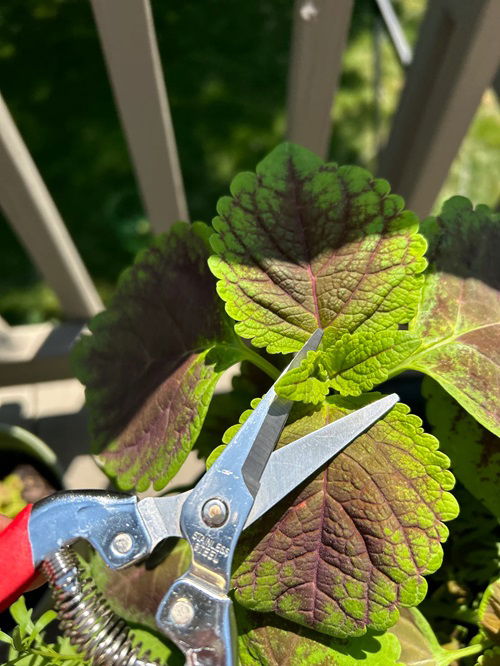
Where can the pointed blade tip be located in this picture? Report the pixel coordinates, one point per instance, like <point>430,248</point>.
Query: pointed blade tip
<point>314,340</point>
<point>366,417</point>
<point>317,335</point>
<point>375,410</point>
<point>386,403</point>
<point>311,344</point>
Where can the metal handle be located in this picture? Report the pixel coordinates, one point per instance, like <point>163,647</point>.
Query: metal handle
<point>110,522</point>
<point>200,620</point>
<point>196,613</point>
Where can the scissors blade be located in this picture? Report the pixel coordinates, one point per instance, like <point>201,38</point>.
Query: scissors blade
<point>247,455</point>
<point>249,450</point>
<point>289,466</point>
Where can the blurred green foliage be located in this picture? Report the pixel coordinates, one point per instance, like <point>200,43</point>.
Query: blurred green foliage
<point>11,495</point>
<point>225,64</point>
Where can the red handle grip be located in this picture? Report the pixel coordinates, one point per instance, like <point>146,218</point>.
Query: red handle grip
<point>17,570</point>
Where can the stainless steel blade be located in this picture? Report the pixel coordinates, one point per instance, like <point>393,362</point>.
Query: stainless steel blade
<point>287,468</point>
<point>290,466</point>
<point>270,430</point>
<point>245,456</point>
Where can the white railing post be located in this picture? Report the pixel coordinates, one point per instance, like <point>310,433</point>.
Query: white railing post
<point>33,215</point>
<point>455,60</point>
<point>320,31</point>
<point>130,48</point>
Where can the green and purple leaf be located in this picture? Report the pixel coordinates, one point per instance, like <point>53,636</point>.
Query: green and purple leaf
<point>459,313</point>
<point>267,642</point>
<point>474,451</point>
<point>134,594</point>
<point>354,543</point>
<point>350,364</point>
<point>154,357</point>
<point>303,244</point>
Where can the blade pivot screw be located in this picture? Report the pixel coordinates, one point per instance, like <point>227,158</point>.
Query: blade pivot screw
<point>182,612</point>
<point>122,543</point>
<point>214,512</point>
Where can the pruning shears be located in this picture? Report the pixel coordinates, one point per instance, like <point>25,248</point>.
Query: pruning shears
<point>247,479</point>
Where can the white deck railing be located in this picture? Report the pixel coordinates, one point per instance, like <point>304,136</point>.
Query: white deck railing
<point>34,217</point>
<point>320,30</point>
<point>456,59</point>
<point>129,44</point>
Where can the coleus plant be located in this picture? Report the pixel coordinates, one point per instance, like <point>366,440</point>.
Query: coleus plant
<point>330,575</point>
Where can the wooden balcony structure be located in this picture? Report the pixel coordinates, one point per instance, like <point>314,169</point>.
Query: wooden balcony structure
<point>456,58</point>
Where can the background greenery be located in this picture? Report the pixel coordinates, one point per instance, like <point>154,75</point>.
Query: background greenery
<point>225,63</point>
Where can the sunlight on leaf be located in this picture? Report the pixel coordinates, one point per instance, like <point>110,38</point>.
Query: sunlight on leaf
<point>351,364</point>
<point>459,313</point>
<point>147,366</point>
<point>225,408</point>
<point>302,244</point>
<point>27,646</point>
<point>353,544</point>
<point>267,642</point>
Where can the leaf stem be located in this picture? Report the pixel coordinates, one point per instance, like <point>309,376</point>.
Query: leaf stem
<point>259,361</point>
<point>462,652</point>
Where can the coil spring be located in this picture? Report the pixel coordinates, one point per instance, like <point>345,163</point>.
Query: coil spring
<point>86,618</point>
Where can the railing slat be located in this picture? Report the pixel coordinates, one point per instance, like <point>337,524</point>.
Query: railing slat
<point>37,353</point>
<point>130,48</point>
<point>456,58</point>
<point>32,213</point>
<point>398,37</point>
<point>319,37</point>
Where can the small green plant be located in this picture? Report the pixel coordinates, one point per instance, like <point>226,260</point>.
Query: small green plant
<point>27,646</point>
<point>11,495</point>
<point>333,573</point>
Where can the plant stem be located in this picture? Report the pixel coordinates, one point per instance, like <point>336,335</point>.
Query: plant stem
<point>463,652</point>
<point>260,362</point>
